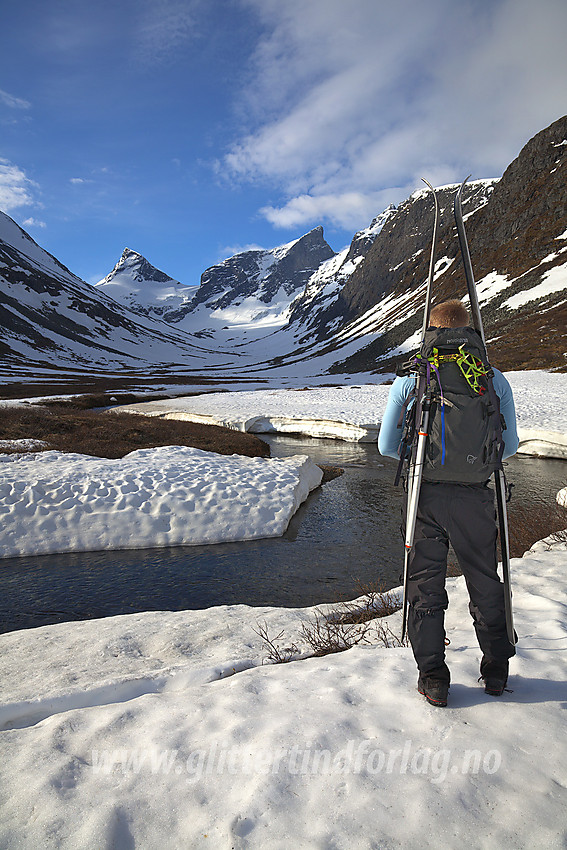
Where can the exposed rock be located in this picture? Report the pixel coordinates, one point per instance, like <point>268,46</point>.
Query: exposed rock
<point>514,227</point>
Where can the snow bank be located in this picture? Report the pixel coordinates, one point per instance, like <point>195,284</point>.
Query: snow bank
<point>22,445</point>
<point>539,443</point>
<point>345,413</point>
<point>57,502</point>
<point>355,413</point>
<point>541,412</point>
<point>165,729</point>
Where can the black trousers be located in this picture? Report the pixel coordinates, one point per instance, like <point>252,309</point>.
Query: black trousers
<point>463,514</point>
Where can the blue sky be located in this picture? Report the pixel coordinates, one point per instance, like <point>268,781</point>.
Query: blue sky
<point>190,129</point>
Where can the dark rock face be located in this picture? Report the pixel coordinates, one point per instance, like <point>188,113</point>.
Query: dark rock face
<point>318,308</point>
<point>513,227</point>
<point>263,273</point>
<point>517,235</point>
<point>399,260</point>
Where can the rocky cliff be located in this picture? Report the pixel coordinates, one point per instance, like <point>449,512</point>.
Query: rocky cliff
<point>517,229</point>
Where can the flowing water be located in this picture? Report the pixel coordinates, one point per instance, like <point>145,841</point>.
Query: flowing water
<point>343,538</point>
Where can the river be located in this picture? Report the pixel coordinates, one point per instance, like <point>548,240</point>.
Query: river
<point>345,537</point>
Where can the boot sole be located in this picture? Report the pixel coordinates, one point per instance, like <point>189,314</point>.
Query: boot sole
<point>438,703</point>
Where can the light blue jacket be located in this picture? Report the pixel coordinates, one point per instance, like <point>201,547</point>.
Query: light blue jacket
<point>390,435</point>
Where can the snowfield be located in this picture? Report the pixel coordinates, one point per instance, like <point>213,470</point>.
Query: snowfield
<point>354,413</point>
<point>166,730</point>
<point>347,413</point>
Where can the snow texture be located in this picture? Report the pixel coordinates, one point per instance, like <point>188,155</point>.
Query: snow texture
<point>166,730</point>
<point>58,502</point>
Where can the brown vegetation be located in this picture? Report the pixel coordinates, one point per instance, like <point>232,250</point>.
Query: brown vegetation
<point>350,624</point>
<point>114,435</point>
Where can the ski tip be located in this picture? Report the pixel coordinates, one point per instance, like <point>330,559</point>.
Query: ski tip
<point>427,183</point>
<point>462,186</point>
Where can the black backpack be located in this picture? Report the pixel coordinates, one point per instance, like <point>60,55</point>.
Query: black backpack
<point>465,443</point>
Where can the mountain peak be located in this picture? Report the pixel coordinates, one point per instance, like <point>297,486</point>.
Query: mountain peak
<point>143,287</point>
<point>137,269</point>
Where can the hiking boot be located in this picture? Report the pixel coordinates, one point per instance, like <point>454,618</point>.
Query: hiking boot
<point>434,690</point>
<point>495,675</point>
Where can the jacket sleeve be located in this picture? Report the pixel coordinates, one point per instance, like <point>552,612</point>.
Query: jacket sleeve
<point>390,435</point>
<point>508,411</point>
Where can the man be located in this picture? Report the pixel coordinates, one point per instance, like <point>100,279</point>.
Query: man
<point>464,515</point>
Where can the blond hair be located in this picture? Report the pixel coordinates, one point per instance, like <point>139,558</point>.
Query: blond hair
<point>449,314</point>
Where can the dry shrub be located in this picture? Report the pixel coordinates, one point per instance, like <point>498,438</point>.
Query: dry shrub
<point>327,635</point>
<point>275,653</point>
<point>374,604</point>
<point>350,624</point>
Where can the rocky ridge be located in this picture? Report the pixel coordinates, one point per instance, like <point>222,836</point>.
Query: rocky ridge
<point>144,288</point>
<point>358,310</point>
<point>517,230</point>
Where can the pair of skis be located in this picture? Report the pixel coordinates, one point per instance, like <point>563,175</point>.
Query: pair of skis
<point>423,401</point>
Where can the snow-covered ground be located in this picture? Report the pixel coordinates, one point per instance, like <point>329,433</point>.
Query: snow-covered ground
<point>165,730</point>
<point>60,502</point>
<point>168,730</point>
<point>355,412</point>
<point>347,413</point>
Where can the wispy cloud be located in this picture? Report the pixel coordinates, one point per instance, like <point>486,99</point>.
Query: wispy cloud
<point>33,222</point>
<point>16,189</point>
<point>161,27</point>
<point>13,102</point>
<point>350,104</point>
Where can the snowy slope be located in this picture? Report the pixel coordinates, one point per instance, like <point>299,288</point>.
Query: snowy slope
<point>255,288</point>
<point>145,289</point>
<point>167,730</point>
<point>51,317</point>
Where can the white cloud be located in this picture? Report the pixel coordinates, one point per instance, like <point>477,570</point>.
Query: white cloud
<point>344,210</point>
<point>16,190</point>
<point>13,102</point>
<point>346,101</point>
<point>33,222</point>
<point>230,250</point>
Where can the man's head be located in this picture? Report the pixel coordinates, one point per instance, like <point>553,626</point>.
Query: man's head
<point>449,314</point>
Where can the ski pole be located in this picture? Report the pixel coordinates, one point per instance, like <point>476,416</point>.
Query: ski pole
<point>414,488</point>
<point>500,487</point>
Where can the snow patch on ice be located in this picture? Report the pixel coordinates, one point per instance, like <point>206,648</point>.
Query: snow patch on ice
<point>173,495</point>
